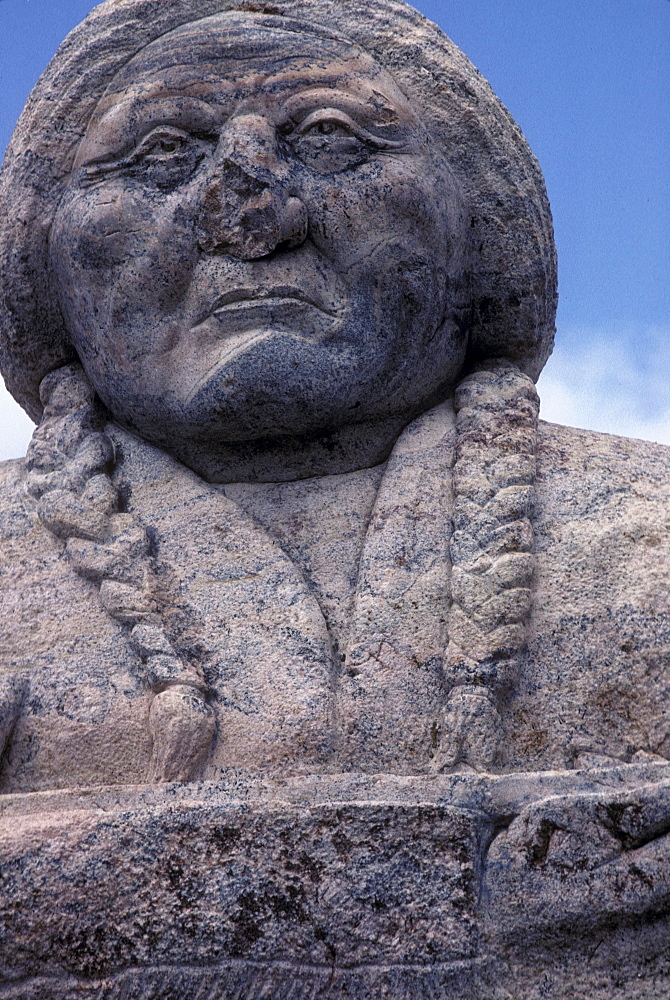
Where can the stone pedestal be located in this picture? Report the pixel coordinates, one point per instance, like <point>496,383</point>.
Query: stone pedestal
<point>339,886</point>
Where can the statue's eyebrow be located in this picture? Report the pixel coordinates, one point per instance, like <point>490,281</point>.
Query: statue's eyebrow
<point>372,112</point>
<point>120,128</point>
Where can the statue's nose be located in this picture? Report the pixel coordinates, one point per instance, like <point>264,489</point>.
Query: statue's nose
<point>246,209</point>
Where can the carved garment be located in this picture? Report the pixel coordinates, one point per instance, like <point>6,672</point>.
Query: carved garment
<point>295,696</point>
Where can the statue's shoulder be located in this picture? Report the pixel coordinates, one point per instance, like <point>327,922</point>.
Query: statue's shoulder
<point>17,507</point>
<point>31,558</point>
<point>597,467</point>
<point>12,474</point>
<point>603,507</point>
<point>597,633</point>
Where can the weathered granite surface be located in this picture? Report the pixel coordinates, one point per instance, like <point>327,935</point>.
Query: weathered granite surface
<point>538,885</point>
<point>594,686</point>
<point>546,884</point>
<point>325,668</point>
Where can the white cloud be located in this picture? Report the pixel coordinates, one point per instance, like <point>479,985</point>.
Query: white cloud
<point>16,427</point>
<point>615,382</point>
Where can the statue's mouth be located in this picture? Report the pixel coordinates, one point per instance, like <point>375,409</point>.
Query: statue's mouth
<point>245,298</point>
<point>242,318</point>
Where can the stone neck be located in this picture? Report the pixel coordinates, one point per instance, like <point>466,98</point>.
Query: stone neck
<point>286,459</point>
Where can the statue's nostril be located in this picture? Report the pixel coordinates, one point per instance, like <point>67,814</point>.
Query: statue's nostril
<point>247,226</point>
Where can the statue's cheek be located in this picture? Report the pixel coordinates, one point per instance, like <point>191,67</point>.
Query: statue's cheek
<point>385,201</point>
<point>111,227</point>
<point>89,234</point>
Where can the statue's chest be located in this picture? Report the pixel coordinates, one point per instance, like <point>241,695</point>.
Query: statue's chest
<point>321,525</point>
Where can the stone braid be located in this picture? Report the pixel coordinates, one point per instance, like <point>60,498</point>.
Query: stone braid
<point>70,460</point>
<point>492,562</point>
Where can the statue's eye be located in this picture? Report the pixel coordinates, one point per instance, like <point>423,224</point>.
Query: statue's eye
<point>328,141</point>
<point>167,157</point>
<point>160,145</point>
<point>327,128</point>
<point>337,128</point>
<point>168,145</point>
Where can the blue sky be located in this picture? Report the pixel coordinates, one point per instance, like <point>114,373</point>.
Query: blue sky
<point>588,81</point>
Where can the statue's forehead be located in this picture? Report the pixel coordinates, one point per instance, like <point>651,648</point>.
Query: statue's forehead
<point>243,43</point>
<point>278,75</point>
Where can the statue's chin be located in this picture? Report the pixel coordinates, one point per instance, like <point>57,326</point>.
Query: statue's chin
<point>270,385</point>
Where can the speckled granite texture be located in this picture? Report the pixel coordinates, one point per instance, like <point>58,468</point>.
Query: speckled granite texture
<point>326,668</point>
<point>341,886</point>
<point>594,686</point>
<point>346,885</point>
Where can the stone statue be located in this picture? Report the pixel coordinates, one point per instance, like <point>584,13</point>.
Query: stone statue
<point>290,559</point>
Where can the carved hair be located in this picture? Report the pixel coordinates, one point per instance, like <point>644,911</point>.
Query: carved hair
<point>70,459</point>
<point>491,546</point>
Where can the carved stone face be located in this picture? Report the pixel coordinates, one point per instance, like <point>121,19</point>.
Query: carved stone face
<point>258,240</point>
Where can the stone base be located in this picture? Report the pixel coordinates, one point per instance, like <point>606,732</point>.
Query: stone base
<point>340,886</point>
